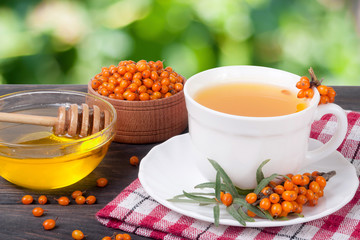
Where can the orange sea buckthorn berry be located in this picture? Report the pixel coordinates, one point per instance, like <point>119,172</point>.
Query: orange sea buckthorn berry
<point>77,235</point>
<point>42,200</point>
<point>276,209</point>
<point>251,214</point>
<point>133,87</point>
<point>309,93</point>
<point>274,198</point>
<point>137,82</point>
<point>321,181</point>
<point>156,87</point>
<point>296,207</point>
<point>309,195</point>
<point>95,84</point>
<point>320,193</point>
<point>265,203</point>
<point>178,87</point>
<point>131,68</point>
<point>302,191</point>
<point>134,160</point>
<point>324,100</point>
<point>313,202</point>
<point>279,189</point>
<point>295,189</point>
<point>297,179</point>
<point>104,92</point>
<point>157,95</point>
<point>146,74</point>
<point>121,70</point>
<point>38,212</point>
<point>101,182</point>
<point>314,186</point>
<point>315,173</point>
<point>128,76</point>
<point>142,89</point>
<point>106,238</point>
<point>288,185</point>
<point>90,200</point>
<point>306,180</point>
<point>76,194</point>
<point>132,96</point>
<point>165,74</point>
<point>323,90</point>
<point>289,196</point>
<point>287,206</point>
<point>331,92</point>
<point>164,89</point>
<point>144,96</point>
<point>154,76</point>
<point>63,201</point>
<point>80,200</point>
<point>227,199</point>
<point>303,83</point>
<point>251,198</point>
<point>167,95</point>
<point>266,191</point>
<point>301,199</point>
<point>49,224</point>
<point>301,94</point>
<point>27,199</point>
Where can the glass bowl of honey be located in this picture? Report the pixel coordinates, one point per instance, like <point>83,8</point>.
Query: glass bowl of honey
<point>33,156</point>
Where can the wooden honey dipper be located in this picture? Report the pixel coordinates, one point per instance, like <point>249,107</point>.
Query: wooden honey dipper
<point>69,121</point>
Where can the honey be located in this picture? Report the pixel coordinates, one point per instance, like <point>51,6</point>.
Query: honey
<point>33,157</point>
<point>250,99</point>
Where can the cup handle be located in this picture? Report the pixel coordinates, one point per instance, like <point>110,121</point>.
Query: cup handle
<point>336,140</point>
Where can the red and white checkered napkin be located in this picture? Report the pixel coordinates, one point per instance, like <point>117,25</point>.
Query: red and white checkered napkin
<point>133,210</point>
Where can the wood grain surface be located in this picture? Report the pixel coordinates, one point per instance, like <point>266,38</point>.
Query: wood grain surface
<point>17,221</point>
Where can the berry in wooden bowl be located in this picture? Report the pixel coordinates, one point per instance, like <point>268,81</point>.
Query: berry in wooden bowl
<point>148,99</point>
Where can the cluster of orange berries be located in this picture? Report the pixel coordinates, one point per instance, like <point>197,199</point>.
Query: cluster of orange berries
<point>78,197</point>
<point>281,199</point>
<point>327,94</point>
<point>134,81</point>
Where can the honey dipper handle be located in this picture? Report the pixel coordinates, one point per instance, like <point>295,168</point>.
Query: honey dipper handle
<point>28,119</point>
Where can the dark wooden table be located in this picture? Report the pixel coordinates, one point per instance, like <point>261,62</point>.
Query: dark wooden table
<point>17,221</point>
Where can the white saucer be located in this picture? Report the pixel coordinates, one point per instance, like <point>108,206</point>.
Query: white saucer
<point>168,169</point>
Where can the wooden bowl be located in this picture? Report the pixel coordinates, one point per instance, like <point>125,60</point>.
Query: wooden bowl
<point>148,121</point>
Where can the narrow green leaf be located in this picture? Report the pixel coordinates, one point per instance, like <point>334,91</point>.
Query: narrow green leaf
<point>217,186</point>
<point>259,172</point>
<point>216,214</point>
<point>199,198</point>
<point>195,193</point>
<point>223,187</point>
<point>282,219</point>
<point>259,212</point>
<point>234,213</point>
<point>244,191</point>
<point>182,200</point>
<point>264,182</point>
<point>225,178</point>
<point>285,177</point>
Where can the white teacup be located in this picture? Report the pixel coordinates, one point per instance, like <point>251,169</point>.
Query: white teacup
<point>239,144</point>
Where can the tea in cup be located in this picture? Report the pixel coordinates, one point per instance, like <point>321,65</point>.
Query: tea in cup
<point>240,116</point>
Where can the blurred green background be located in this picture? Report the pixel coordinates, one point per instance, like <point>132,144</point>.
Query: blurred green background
<point>55,42</point>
